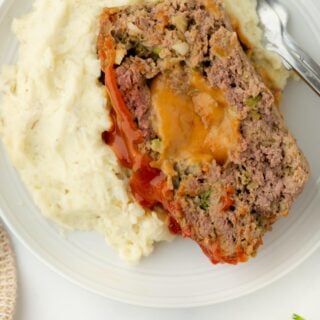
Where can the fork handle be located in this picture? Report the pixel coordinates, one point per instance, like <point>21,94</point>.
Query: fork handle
<point>301,54</point>
<point>304,65</point>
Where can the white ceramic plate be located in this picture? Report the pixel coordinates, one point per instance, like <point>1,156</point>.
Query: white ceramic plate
<point>177,274</point>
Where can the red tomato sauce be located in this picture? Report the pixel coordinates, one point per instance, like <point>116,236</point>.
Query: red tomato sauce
<point>148,185</point>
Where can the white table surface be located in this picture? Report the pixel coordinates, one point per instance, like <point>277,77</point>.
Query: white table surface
<point>44,295</point>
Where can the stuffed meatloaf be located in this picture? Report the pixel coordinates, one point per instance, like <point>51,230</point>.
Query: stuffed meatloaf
<point>196,126</point>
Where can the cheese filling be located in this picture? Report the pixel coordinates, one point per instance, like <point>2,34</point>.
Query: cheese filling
<point>197,126</point>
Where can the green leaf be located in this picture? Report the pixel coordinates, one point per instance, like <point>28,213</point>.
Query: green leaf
<point>297,317</point>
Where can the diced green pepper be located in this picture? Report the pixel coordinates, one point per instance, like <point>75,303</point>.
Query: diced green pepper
<point>255,115</point>
<point>176,182</point>
<point>204,200</point>
<point>156,50</point>
<point>156,145</point>
<point>253,101</point>
<point>141,50</point>
<point>245,177</point>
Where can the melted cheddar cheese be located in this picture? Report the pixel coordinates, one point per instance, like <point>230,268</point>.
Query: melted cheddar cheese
<point>198,126</point>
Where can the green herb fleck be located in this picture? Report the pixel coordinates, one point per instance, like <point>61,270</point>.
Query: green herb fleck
<point>204,200</point>
<point>156,50</point>
<point>297,317</point>
<point>155,53</point>
<point>123,38</point>
<point>253,101</point>
<point>245,177</point>
<point>176,182</point>
<point>255,115</point>
<point>156,145</point>
<point>141,50</point>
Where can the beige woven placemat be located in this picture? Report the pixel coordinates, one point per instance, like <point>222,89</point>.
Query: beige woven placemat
<point>8,280</point>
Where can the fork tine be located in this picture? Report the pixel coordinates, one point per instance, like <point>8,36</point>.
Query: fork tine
<point>283,14</point>
<point>281,11</point>
<point>279,41</point>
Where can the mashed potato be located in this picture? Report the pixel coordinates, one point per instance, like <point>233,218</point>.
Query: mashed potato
<point>244,12</point>
<point>52,115</point>
<point>53,112</point>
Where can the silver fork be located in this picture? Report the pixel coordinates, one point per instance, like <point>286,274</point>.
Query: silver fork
<point>274,18</point>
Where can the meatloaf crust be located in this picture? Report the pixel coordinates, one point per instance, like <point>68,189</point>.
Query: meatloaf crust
<point>225,205</point>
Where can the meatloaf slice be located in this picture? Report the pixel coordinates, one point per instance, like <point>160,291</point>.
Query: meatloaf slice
<point>205,120</point>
